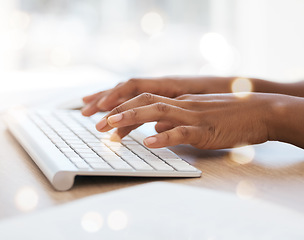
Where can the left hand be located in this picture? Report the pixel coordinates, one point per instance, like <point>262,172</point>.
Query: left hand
<point>212,121</point>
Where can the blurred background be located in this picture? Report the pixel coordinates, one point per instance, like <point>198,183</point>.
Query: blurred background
<point>54,43</point>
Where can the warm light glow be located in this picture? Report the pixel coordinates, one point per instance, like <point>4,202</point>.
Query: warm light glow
<point>242,154</point>
<point>152,23</point>
<point>217,51</point>
<point>117,220</point>
<point>241,87</point>
<point>12,40</point>
<point>19,20</point>
<point>246,190</point>
<point>60,56</point>
<point>92,222</point>
<point>18,38</point>
<point>26,199</point>
<point>129,50</point>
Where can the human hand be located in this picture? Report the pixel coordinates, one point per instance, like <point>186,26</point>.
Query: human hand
<point>164,86</point>
<point>211,121</point>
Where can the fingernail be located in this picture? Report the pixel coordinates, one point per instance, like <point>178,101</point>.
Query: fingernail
<point>115,137</point>
<point>103,122</point>
<point>150,140</point>
<point>115,118</point>
<point>85,109</point>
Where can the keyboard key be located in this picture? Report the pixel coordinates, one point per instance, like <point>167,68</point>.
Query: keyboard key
<point>96,144</point>
<point>165,154</point>
<point>66,150</point>
<point>110,143</point>
<point>84,150</point>
<point>130,158</point>
<point>74,141</point>
<point>94,160</point>
<point>76,159</point>
<point>71,154</point>
<point>82,165</point>
<point>79,146</point>
<point>120,165</point>
<point>104,152</point>
<point>89,155</point>
<point>140,165</point>
<point>62,145</point>
<point>160,165</point>
<point>101,166</point>
<point>181,165</point>
<point>111,158</point>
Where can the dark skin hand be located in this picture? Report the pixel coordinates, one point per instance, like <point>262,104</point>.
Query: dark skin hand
<point>166,86</point>
<point>207,121</point>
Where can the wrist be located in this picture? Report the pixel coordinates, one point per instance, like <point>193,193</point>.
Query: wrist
<point>285,122</point>
<point>264,86</point>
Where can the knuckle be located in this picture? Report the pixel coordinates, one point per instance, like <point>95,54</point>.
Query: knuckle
<point>147,98</point>
<point>133,113</point>
<point>206,140</point>
<point>133,84</point>
<point>119,84</point>
<point>211,130</point>
<point>133,81</point>
<point>166,136</point>
<point>162,107</point>
<point>118,109</point>
<point>183,131</point>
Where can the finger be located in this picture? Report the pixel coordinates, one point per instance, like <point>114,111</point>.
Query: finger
<point>130,89</point>
<point>163,126</point>
<point>90,109</point>
<point>92,97</point>
<point>120,133</point>
<point>145,99</point>
<point>126,91</point>
<point>154,112</point>
<point>178,135</point>
<point>141,100</point>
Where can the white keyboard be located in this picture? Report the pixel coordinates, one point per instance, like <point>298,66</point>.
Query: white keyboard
<point>64,144</point>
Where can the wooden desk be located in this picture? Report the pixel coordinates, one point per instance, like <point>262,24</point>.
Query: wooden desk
<point>279,182</point>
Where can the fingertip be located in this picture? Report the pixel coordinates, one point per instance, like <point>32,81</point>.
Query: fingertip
<point>102,124</point>
<point>89,98</point>
<point>150,141</point>
<point>85,99</point>
<point>85,111</point>
<point>115,137</point>
<point>112,120</point>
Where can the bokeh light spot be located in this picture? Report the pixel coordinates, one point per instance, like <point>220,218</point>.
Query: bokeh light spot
<point>117,220</point>
<point>26,199</point>
<point>242,154</point>
<point>152,23</point>
<point>19,20</point>
<point>246,190</point>
<point>92,222</point>
<point>241,87</point>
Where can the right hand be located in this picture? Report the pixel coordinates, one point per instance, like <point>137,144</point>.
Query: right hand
<point>206,121</point>
<point>164,86</point>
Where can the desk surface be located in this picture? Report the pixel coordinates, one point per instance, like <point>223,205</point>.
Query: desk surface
<point>276,174</point>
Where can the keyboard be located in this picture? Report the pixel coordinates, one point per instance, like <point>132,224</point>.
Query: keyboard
<point>63,144</point>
